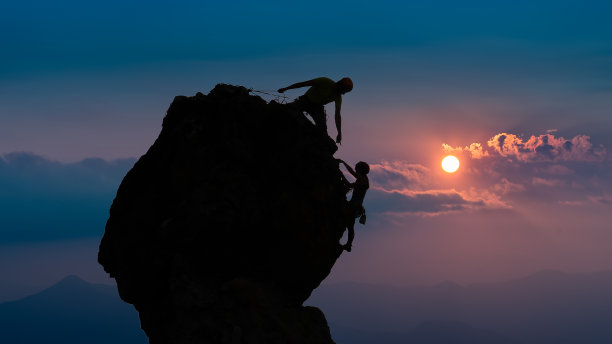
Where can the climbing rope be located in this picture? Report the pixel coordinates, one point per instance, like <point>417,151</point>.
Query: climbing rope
<point>279,98</point>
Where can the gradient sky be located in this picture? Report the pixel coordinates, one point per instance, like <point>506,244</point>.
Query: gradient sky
<point>504,85</point>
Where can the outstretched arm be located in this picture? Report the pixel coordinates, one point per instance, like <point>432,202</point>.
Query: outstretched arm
<point>348,167</point>
<point>296,85</point>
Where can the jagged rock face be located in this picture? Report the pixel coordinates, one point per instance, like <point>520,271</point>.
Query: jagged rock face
<point>224,227</point>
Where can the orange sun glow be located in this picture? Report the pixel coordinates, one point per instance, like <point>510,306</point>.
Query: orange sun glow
<point>450,164</point>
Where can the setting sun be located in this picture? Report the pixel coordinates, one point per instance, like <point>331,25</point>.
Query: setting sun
<point>450,164</point>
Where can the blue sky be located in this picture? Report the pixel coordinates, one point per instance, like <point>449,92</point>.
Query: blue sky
<point>70,66</point>
<point>82,79</point>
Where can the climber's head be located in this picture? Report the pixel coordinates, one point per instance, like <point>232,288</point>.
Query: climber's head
<point>345,85</point>
<point>362,168</point>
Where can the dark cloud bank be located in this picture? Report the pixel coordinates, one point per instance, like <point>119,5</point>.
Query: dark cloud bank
<point>45,200</point>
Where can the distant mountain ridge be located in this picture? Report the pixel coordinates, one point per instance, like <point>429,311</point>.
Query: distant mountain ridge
<point>428,332</point>
<point>547,307</point>
<point>72,311</point>
<point>571,309</point>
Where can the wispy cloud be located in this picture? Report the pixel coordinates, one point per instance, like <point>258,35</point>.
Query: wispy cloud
<point>546,182</point>
<point>399,175</point>
<point>505,186</point>
<point>560,170</point>
<point>402,188</point>
<point>475,150</point>
<point>605,198</point>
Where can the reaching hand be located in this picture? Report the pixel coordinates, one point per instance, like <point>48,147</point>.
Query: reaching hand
<point>339,138</point>
<point>282,90</point>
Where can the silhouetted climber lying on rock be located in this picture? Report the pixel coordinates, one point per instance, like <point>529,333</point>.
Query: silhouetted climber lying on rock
<point>355,207</point>
<point>322,91</point>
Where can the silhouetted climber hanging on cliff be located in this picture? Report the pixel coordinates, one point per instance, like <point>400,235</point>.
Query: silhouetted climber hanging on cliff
<point>322,91</point>
<point>355,205</point>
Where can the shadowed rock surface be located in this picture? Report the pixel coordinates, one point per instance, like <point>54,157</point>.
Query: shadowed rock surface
<point>224,227</point>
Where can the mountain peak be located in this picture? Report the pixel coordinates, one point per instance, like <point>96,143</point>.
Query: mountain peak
<point>72,280</point>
